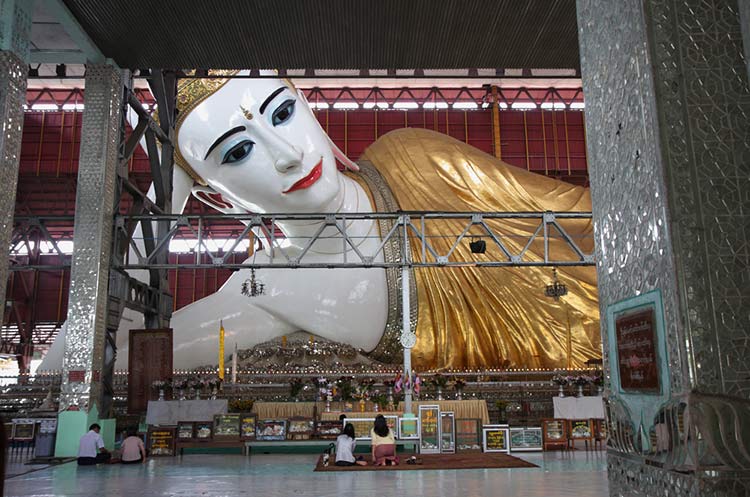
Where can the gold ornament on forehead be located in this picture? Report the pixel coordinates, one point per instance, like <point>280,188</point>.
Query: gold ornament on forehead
<point>190,93</point>
<point>248,115</point>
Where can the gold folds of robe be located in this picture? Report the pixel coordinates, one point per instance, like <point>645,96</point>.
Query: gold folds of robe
<point>490,317</point>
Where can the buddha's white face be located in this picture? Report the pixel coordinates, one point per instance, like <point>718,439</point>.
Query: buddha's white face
<point>259,145</point>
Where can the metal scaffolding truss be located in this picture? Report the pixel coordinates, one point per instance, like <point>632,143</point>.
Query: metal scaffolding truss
<point>442,98</point>
<point>547,239</point>
<point>348,98</point>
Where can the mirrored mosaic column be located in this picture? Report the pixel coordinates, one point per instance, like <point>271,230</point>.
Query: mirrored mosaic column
<point>15,25</point>
<point>668,134</point>
<point>92,239</point>
<point>745,23</point>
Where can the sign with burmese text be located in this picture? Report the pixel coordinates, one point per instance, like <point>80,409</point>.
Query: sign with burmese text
<point>637,357</point>
<point>494,439</point>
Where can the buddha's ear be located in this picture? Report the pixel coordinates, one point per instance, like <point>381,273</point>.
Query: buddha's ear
<point>214,199</point>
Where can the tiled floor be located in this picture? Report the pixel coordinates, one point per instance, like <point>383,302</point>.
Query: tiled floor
<point>574,474</point>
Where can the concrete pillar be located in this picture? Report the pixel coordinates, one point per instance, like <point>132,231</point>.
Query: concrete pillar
<point>668,134</point>
<point>87,312</point>
<point>15,25</point>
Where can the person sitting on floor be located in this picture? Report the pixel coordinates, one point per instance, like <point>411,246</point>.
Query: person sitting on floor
<point>91,449</point>
<point>383,443</point>
<point>345,445</point>
<point>133,451</point>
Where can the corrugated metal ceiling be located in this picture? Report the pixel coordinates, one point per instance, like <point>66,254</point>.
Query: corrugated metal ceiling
<point>333,34</point>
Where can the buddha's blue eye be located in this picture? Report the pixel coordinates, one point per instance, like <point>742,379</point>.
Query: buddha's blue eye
<point>283,112</point>
<point>238,152</point>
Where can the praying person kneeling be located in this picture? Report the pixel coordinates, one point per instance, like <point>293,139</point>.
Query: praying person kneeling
<point>91,449</point>
<point>345,445</point>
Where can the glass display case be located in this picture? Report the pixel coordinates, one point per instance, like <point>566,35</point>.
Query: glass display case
<point>429,427</point>
<point>185,430</point>
<point>555,434</point>
<point>526,439</point>
<point>447,432</point>
<point>227,426</point>
<point>300,428</point>
<point>247,426</point>
<point>271,429</point>
<point>408,428</point>
<point>468,434</point>
<point>328,430</point>
<point>204,430</point>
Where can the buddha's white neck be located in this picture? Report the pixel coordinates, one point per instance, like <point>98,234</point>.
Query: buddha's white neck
<point>351,198</point>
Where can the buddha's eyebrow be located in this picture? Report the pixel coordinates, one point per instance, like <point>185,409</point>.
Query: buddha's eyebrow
<point>271,97</point>
<point>223,137</point>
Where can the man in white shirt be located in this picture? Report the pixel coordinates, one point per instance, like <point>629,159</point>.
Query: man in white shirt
<point>91,450</point>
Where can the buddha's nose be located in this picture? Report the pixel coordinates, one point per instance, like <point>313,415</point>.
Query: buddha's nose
<point>286,156</point>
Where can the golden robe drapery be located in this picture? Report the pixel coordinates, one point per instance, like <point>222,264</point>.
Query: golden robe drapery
<point>490,317</point>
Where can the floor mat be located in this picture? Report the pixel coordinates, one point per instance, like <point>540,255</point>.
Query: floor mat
<point>467,460</point>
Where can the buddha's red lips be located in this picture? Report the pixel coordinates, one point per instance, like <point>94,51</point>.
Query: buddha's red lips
<point>308,180</point>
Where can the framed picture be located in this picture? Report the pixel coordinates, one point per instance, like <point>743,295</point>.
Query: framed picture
<point>185,431</point>
<point>495,439</point>
<point>204,430</point>
<point>408,428</point>
<point>227,426</point>
<point>328,430</point>
<point>526,439</point>
<point>300,428</point>
<point>429,427</point>
<point>447,432</point>
<point>362,427</point>
<point>48,426</point>
<point>581,429</point>
<point>161,441</point>
<point>24,430</point>
<point>554,433</point>
<point>271,429</point>
<point>247,426</point>
<point>468,434</point>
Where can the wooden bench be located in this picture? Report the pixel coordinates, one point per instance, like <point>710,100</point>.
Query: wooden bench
<point>212,444</point>
<point>316,443</point>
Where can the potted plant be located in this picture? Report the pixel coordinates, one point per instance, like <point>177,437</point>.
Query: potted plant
<point>440,382</point>
<point>598,381</point>
<point>561,381</point>
<point>501,406</point>
<point>580,381</point>
<point>344,388</point>
<point>240,405</point>
<point>295,388</point>
<point>161,386</point>
<point>379,399</point>
<point>362,392</point>
<point>180,385</point>
<point>459,385</point>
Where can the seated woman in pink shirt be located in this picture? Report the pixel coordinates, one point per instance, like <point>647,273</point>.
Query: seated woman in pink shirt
<point>383,443</point>
<point>133,451</point>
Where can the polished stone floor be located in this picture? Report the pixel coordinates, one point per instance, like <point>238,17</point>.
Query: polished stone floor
<point>573,474</point>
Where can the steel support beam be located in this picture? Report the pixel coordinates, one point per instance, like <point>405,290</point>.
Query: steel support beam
<point>558,240</point>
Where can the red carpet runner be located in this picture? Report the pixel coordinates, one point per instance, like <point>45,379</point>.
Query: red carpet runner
<point>466,460</point>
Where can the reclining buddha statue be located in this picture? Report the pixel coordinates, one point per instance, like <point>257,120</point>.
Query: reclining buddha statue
<point>254,146</point>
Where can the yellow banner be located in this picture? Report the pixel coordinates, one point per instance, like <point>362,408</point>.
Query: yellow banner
<point>221,352</point>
